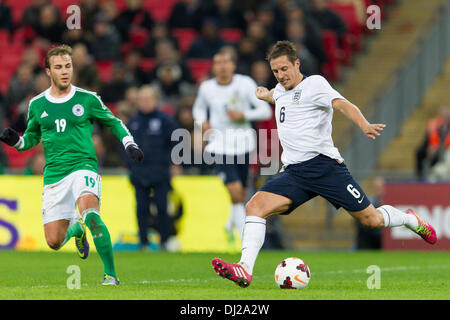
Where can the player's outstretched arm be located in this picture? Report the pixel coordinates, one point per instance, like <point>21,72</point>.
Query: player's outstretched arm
<point>353,113</point>
<point>265,94</point>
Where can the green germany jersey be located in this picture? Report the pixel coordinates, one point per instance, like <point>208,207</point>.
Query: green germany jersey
<point>65,125</point>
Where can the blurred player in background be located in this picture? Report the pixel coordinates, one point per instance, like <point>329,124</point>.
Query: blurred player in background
<point>312,165</point>
<point>227,104</point>
<point>63,117</point>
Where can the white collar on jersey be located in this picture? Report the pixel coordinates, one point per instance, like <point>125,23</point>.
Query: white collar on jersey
<point>51,98</point>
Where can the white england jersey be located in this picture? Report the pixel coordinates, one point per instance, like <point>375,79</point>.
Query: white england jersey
<point>303,117</point>
<point>230,137</point>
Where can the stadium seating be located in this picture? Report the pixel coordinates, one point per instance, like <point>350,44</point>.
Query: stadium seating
<point>200,68</point>
<point>18,159</point>
<point>330,68</point>
<point>231,35</point>
<point>184,37</point>
<point>105,69</point>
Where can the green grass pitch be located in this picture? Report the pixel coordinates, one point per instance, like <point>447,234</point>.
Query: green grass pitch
<point>177,276</point>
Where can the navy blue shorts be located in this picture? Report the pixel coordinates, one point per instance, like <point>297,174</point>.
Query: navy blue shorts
<point>234,168</point>
<point>321,176</point>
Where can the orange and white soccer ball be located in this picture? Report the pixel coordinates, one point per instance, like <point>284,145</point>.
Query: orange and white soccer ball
<point>292,273</point>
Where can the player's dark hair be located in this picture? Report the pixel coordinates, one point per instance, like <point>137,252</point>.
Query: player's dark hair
<point>60,50</point>
<point>282,48</point>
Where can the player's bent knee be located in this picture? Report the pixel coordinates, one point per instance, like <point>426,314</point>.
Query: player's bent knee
<point>54,243</point>
<point>253,208</point>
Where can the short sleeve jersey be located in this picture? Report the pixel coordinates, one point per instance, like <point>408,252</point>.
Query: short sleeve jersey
<point>304,116</point>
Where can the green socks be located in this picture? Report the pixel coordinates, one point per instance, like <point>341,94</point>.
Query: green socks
<point>74,230</point>
<point>102,239</point>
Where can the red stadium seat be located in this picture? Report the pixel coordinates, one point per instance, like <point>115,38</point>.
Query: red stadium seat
<point>17,8</point>
<point>231,35</point>
<point>200,68</point>
<point>330,68</point>
<point>185,37</point>
<point>347,12</point>
<point>159,10</point>
<point>105,70</point>
<point>147,64</point>
<point>18,159</point>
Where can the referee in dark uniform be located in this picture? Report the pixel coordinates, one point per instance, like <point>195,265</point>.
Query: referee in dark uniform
<point>152,130</point>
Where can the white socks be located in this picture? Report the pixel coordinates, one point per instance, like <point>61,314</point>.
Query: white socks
<point>252,241</point>
<point>395,218</point>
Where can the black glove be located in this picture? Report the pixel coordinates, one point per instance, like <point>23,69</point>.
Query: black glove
<point>134,152</point>
<point>10,137</point>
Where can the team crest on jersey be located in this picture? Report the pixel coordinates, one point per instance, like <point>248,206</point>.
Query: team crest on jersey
<point>296,97</point>
<point>78,110</point>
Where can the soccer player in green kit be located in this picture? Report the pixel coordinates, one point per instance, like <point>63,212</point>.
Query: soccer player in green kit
<point>63,117</point>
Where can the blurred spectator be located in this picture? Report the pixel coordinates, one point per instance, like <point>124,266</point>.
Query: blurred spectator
<point>31,57</point>
<point>170,85</point>
<point>312,38</point>
<point>187,14</point>
<point>166,53</point>
<point>6,21</point>
<point>368,238</point>
<point>441,170</point>
<point>20,86</point>
<point>296,33</point>
<point>105,43</point>
<point>109,8</point>
<point>152,131</point>
<point>32,13</point>
<point>72,37</point>
<point>41,82</point>
<point>209,42</point>
<point>134,75</point>
<point>248,53</point>
<point>261,73</point>
<point>228,14</point>
<point>89,10</point>
<point>134,19</point>
<point>273,19</point>
<point>85,73</point>
<point>160,32</point>
<point>436,141</point>
<point>258,33</point>
<point>50,25</point>
<point>327,19</point>
<point>114,91</point>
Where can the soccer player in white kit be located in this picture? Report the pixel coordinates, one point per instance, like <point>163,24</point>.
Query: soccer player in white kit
<point>313,166</point>
<point>224,107</point>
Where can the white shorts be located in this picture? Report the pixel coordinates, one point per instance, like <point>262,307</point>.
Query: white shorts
<point>59,199</point>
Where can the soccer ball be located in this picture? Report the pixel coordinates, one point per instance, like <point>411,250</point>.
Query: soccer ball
<point>292,273</point>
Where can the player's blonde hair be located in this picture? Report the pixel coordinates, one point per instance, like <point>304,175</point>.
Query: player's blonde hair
<point>60,50</point>
<point>282,48</point>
